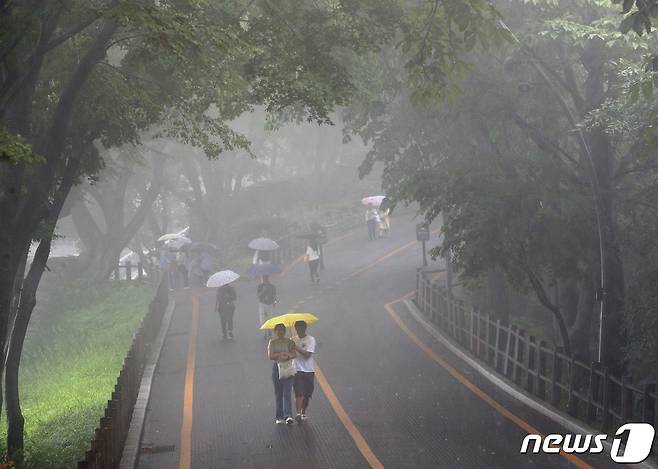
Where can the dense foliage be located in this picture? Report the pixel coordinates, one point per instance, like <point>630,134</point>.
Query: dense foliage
<point>541,164</point>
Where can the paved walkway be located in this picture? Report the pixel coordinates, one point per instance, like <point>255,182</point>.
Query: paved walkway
<point>380,400</point>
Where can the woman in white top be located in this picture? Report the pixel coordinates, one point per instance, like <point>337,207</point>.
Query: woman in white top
<point>313,258</point>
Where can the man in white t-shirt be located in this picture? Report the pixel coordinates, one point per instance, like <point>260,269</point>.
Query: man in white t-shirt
<point>313,258</point>
<point>305,366</point>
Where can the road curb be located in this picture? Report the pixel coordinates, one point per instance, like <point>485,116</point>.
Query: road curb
<point>521,396</point>
<point>132,446</point>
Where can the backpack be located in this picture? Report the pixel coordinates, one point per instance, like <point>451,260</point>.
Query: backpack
<point>266,293</point>
<point>225,298</point>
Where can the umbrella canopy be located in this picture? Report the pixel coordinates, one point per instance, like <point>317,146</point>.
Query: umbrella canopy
<point>256,270</point>
<point>263,244</point>
<point>375,200</point>
<point>169,236</point>
<point>178,242</point>
<point>289,320</point>
<point>221,278</point>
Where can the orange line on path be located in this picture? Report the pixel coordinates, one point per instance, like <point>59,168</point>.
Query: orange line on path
<point>185,460</point>
<point>354,432</point>
<point>472,387</point>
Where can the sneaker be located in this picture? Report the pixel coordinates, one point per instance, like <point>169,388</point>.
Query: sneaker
<point>303,417</point>
<point>298,417</point>
<point>289,421</point>
<point>279,421</point>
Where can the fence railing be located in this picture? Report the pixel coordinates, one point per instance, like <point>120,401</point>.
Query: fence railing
<point>586,391</point>
<point>109,438</point>
<point>139,271</point>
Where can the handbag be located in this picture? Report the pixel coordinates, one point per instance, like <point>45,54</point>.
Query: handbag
<point>286,369</point>
<point>305,257</point>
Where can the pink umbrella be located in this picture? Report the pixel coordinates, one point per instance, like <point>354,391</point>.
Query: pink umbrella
<point>375,200</point>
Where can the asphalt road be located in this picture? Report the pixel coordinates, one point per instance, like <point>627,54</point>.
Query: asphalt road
<point>383,403</point>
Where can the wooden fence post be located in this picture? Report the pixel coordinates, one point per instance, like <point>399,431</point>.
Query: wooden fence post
<point>496,345</point>
<point>129,271</point>
<point>478,343</point>
<point>540,384</point>
<point>518,354</point>
<point>593,392</point>
<point>556,376</point>
<point>572,406</point>
<point>140,270</point>
<point>511,331</point>
<point>649,403</point>
<point>605,399</point>
<point>529,363</point>
<point>487,345</point>
<point>626,399</point>
<point>470,329</point>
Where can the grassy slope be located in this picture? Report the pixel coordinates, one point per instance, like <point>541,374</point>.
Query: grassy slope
<point>72,358</point>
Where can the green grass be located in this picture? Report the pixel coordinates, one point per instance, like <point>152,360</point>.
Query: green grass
<point>72,357</point>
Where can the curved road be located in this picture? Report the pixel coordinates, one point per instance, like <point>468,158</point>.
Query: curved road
<point>380,401</point>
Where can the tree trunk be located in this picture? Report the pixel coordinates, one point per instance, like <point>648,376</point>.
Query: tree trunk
<point>15,420</point>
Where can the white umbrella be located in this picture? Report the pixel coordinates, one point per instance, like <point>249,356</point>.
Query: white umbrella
<point>169,236</point>
<point>263,244</point>
<point>375,200</point>
<point>179,242</point>
<point>221,278</point>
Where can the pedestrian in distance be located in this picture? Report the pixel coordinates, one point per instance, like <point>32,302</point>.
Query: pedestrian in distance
<point>372,220</point>
<point>225,306</point>
<point>320,233</point>
<point>312,256</point>
<point>173,270</point>
<point>305,366</point>
<point>182,262</point>
<point>266,301</point>
<point>281,350</point>
<point>385,224</point>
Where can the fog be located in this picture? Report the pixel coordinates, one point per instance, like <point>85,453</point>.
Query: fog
<point>328,233</point>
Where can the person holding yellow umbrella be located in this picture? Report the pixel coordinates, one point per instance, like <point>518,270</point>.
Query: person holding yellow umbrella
<point>302,362</point>
<point>281,350</point>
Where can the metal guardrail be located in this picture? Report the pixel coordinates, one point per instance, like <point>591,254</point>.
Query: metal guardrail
<point>110,436</point>
<point>585,391</point>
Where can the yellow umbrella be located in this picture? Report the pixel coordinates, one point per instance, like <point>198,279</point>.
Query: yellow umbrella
<point>289,320</point>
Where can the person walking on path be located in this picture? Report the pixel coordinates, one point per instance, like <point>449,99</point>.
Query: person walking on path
<point>313,259</point>
<point>385,225</point>
<point>266,300</point>
<point>225,306</point>
<point>281,350</point>
<point>305,366</point>
<point>372,220</point>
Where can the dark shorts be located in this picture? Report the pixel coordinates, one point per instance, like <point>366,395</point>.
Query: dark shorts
<point>304,384</point>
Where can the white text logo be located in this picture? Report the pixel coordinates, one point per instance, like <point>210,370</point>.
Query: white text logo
<point>631,443</point>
